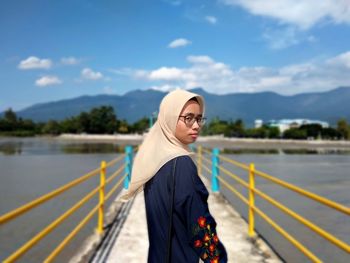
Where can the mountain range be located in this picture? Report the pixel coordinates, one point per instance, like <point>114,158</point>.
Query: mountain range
<point>327,106</point>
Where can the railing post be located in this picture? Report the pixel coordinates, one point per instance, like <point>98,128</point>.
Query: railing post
<point>215,170</point>
<point>102,197</point>
<point>199,159</point>
<point>128,163</point>
<point>251,226</point>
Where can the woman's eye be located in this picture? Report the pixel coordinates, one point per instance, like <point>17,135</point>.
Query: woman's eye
<point>189,118</point>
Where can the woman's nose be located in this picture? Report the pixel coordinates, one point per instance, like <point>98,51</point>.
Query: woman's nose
<point>195,125</point>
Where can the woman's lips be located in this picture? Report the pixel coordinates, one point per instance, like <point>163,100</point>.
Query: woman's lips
<point>194,135</point>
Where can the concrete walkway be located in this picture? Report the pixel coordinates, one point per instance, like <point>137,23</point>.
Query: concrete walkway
<point>131,245</point>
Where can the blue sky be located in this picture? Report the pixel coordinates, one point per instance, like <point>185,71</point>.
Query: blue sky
<point>53,50</point>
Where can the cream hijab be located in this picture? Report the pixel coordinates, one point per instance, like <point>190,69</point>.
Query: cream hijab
<point>160,144</point>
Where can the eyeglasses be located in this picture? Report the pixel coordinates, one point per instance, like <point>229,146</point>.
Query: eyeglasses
<point>190,119</point>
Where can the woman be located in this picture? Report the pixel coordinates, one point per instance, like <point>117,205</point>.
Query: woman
<point>180,226</point>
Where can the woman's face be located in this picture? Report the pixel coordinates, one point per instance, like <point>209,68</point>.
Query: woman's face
<point>185,132</point>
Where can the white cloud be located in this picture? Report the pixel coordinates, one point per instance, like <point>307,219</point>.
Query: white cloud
<point>165,88</point>
<point>70,61</point>
<point>33,62</point>
<point>301,13</point>
<point>165,73</point>
<point>47,81</point>
<point>279,39</point>
<point>88,73</point>
<point>218,77</point>
<point>211,19</point>
<point>180,42</point>
<point>341,60</point>
<point>286,37</point>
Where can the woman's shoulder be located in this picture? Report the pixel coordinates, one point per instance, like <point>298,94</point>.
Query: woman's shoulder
<point>187,171</point>
<point>182,161</point>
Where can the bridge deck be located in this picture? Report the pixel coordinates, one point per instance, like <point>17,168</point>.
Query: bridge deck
<point>130,243</point>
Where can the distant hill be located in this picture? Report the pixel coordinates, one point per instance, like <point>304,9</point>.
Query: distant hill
<point>327,106</point>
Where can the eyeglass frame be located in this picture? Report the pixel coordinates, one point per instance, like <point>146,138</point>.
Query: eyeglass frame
<point>200,122</point>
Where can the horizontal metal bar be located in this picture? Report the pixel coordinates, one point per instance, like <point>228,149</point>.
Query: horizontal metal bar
<point>301,191</point>
<point>16,212</point>
<point>207,160</point>
<point>232,189</point>
<point>71,235</point>
<point>290,238</point>
<point>50,227</point>
<point>234,176</point>
<point>304,221</point>
<point>241,165</point>
<point>115,187</point>
<point>206,151</point>
<point>113,162</point>
<point>116,173</point>
<point>206,168</point>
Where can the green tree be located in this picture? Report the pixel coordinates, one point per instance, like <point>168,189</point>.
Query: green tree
<point>140,126</point>
<point>330,134</point>
<point>343,129</point>
<point>217,126</point>
<point>312,130</point>
<point>10,116</point>
<point>273,132</point>
<point>52,127</point>
<point>9,122</point>
<point>261,132</point>
<point>295,133</point>
<point>123,127</point>
<point>83,122</point>
<point>69,125</point>
<point>235,129</point>
<point>103,120</point>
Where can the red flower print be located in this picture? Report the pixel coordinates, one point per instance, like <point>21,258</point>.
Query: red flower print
<point>197,243</point>
<point>206,238</point>
<point>216,239</point>
<point>202,221</point>
<point>214,260</point>
<point>212,248</point>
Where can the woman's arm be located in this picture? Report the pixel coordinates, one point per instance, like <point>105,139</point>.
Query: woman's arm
<point>191,203</point>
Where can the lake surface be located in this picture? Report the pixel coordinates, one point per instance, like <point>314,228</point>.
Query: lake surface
<point>326,175</point>
<point>31,167</point>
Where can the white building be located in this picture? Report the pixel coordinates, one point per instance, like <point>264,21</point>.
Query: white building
<point>286,124</point>
<point>258,123</point>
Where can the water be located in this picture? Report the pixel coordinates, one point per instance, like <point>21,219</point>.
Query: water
<point>326,175</point>
<point>32,167</point>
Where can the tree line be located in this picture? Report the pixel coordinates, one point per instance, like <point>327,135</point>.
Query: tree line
<point>103,120</point>
<point>315,131</point>
<point>100,120</point>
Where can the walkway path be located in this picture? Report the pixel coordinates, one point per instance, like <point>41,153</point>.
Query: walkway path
<point>131,245</point>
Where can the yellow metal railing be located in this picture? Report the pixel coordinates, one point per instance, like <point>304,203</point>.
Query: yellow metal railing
<point>250,202</point>
<point>99,208</point>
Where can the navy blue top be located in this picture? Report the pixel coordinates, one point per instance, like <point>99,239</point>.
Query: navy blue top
<point>194,229</point>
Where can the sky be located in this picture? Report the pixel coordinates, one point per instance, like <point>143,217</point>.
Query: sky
<point>54,50</point>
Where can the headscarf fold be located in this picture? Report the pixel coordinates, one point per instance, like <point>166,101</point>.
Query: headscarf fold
<point>160,144</point>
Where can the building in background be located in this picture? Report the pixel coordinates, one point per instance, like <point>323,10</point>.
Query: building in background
<point>258,123</point>
<point>286,124</point>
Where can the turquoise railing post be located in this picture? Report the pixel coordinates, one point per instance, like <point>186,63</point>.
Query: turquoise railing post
<point>215,187</point>
<point>128,164</point>
<point>150,122</point>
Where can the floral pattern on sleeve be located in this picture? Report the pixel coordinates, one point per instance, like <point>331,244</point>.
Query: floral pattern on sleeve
<point>206,240</point>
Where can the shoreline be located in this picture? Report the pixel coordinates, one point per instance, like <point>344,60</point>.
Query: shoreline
<point>218,141</point>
